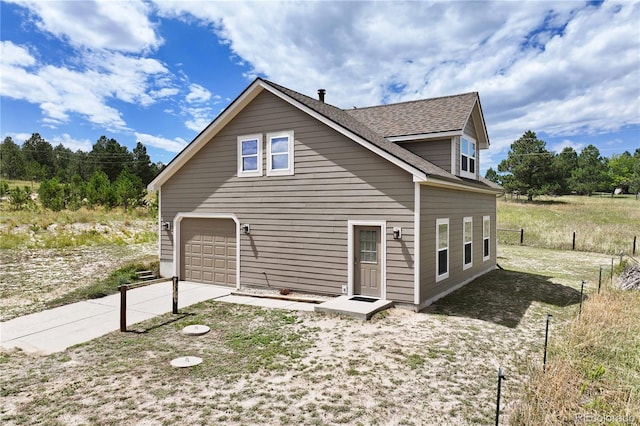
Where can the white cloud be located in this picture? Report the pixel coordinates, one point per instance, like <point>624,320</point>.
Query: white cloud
<point>18,138</point>
<point>12,54</point>
<point>106,62</point>
<point>61,91</point>
<point>73,144</point>
<point>197,107</point>
<point>566,143</point>
<point>171,145</point>
<point>113,25</point>
<point>199,118</point>
<point>198,94</point>
<point>561,68</point>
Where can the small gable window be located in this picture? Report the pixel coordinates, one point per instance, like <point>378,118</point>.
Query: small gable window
<point>250,155</point>
<point>280,153</point>
<point>467,157</point>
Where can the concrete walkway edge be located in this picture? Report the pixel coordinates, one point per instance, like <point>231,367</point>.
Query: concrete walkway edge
<point>56,329</point>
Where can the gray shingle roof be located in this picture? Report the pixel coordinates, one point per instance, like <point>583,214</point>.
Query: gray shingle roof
<point>448,113</point>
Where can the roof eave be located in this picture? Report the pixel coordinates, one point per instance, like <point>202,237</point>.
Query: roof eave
<point>423,136</point>
<point>461,186</point>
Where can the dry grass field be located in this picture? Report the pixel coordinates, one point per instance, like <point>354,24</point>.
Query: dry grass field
<point>260,366</point>
<point>46,255</point>
<point>602,224</point>
<point>278,367</point>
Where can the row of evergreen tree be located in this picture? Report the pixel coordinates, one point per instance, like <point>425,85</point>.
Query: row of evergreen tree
<point>108,175</point>
<point>531,170</point>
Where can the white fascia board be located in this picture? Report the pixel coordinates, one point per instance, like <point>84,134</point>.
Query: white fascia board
<point>207,134</point>
<point>430,181</point>
<point>484,140</point>
<point>416,243</point>
<point>361,141</point>
<point>422,136</point>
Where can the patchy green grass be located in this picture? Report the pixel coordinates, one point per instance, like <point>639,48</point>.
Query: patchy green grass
<point>602,224</point>
<point>106,286</point>
<point>269,366</point>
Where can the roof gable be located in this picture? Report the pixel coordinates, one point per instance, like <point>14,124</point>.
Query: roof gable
<point>336,118</point>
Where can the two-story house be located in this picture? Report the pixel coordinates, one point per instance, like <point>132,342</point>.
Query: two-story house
<point>283,190</point>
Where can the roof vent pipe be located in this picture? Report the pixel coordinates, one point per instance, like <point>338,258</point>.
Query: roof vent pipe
<point>321,93</point>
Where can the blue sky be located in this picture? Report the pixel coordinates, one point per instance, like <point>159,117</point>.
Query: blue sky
<point>159,72</point>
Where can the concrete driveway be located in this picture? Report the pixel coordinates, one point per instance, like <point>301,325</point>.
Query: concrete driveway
<point>56,329</point>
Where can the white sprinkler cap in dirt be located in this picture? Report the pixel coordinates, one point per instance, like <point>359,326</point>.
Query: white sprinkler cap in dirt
<point>186,361</point>
<point>196,330</point>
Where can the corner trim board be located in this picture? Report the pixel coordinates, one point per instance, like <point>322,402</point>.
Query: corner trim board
<point>416,243</point>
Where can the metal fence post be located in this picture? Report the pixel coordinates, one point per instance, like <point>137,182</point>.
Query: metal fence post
<point>581,296</point>
<point>546,340</point>
<point>175,295</point>
<point>500,378</point>
<point>612,270</point>
<point>573,244</point>
<point>600,279</point>
<point>123,308</point>
<point>521,236</point>
<point>635,239</point>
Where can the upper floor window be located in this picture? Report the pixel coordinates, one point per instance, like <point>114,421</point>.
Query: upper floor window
<point>280,153</point>
<point>467,157</point>
<point>250,155</point>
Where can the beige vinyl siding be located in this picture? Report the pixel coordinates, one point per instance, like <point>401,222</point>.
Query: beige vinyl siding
<point>456,157</point>
<point>437,151</point>
<point>436,203</point>
<point>298,237</point>
<point>470,130</point>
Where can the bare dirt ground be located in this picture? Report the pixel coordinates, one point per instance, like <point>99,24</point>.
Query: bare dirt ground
<point>263,366</point>
<point>31,277</point>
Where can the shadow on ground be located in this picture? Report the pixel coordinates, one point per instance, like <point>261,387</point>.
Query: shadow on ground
<point>137,329</point>
<point>503,297</point>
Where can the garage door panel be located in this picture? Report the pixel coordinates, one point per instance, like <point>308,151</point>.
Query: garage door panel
<point>208,248</point>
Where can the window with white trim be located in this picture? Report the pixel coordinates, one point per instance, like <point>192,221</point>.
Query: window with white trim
<point>250,155</point>
<point>442,249</point>
<point>486,237</point>
<point>467,236</point>
<point>280,153</point>
<point>467,157</point>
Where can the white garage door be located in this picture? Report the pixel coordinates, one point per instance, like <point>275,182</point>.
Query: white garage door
<point>208,250</point>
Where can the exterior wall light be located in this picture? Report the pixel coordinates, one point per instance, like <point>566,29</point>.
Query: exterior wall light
<point>245,228</point>
<point>397,233</point>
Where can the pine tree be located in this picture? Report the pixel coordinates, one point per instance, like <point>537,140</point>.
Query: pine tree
<point>528,166</point>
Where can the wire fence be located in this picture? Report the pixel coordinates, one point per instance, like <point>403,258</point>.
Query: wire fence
<point>570,241</point>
